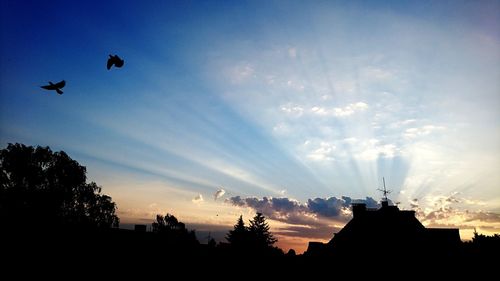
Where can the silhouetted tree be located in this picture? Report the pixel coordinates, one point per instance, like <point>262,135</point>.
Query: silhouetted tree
<point>167,223</point>
<point>259,232</point>
<point>211,243</point>
<point>239,236</point>
<point>484,245</point>
<point>49,189</point>
<point>174,231</point>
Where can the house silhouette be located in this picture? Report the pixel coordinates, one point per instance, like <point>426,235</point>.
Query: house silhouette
<point>387,231</point>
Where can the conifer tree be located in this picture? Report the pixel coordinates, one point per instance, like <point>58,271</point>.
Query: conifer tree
<point>259,232</point>
<point>239,235</point>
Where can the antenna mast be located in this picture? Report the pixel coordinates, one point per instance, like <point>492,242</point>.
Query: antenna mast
<point>384,191</point>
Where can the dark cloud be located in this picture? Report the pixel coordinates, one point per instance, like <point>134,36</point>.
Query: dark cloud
<point>280,209</point>
<point>484,216</point>
<point>236,201</point>
<point>330,207</point>
<point>286,205</point>
<point>284,209</point>
<point>414,203</point>
<point>372,203</point>
<point>320,231</point>
<point>337,208</point>
<point>311,220</point>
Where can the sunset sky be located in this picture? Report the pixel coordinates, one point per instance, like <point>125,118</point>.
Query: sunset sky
<point>289,108</point>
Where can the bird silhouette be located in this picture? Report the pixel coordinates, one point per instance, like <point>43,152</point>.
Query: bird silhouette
<point>114,60</point>
<point>57,87</point>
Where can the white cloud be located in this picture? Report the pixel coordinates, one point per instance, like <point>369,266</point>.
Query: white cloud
<point>241,72</point>
<point>344,87</point>
<point>351,140</point>
<point>340,111</point>
<point>292,109</point>
<point>324,152</point>
<point>219,193</point>
<point>281,129</point>
<point>372,149</point>
<point>295,85</point>
<point>422,131</point>
<point>403,123</point>
<point>198,198</point>
<point>320,110</point>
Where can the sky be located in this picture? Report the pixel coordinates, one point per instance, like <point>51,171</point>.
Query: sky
<point>289,108</point>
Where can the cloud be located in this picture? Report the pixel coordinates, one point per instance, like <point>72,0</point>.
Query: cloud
<point>402,123</point>
<point>463,219</point>
<point>198,199</point>
<point>371,149</point>
<point>292,109</point>
<point>483,216</point>
<point>340,111</point>
<point>293,212</point>
<point>350,109</point>
<point>281,129</point>
<point>329,207</point>
<point>321,217</point>
<point>414,203</point>
<point>219,193</point>
<point>421,131</point>
<point>317,232</point>
<point>350,140</point>
<point>295,85</point>
<point>325,151</point>
<point>292,52</point>
<point>269,206</point>
<point>448,211</point>
<point>284,209</point>
<point>236,201</point>
<point>241,72</point>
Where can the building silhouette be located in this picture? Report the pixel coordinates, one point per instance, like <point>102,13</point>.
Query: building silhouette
<point>387,231</point>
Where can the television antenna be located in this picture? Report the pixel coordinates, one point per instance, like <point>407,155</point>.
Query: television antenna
<point>209,237</point>
<point>384,191</point>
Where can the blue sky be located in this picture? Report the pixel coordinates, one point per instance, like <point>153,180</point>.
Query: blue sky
<point>275,99</point>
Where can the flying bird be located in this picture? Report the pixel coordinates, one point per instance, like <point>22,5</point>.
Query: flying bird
<point>57,87</point>
<point>114,60</point>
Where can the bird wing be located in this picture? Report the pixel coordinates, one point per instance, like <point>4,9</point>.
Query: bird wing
<point>110,63</point>
<point>60,84</point>
<point>119,63</point>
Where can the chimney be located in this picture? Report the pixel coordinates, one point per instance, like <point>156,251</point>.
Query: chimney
<point>385,203</point>
<point>358,209</point>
